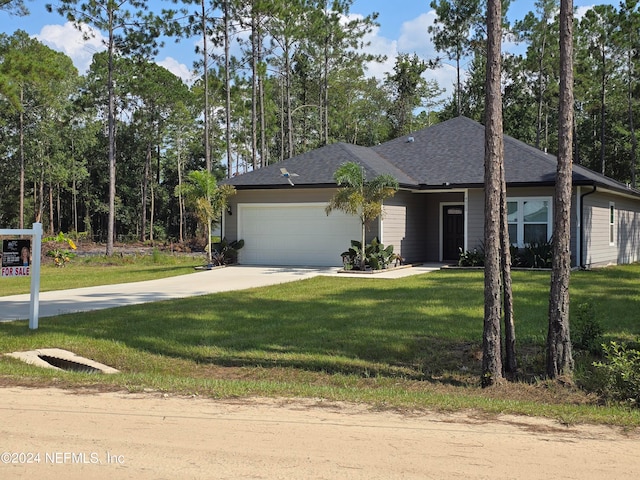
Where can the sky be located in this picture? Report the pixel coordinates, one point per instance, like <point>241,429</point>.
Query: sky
<point>403,29</point>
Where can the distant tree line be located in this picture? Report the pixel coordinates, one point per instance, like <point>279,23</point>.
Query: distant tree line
<point>106,152</point>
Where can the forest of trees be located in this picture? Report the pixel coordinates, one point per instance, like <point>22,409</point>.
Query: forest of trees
<point>118,140</point>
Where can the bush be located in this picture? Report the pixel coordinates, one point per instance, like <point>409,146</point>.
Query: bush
<point>473,258</point>
<point>225,252</point>
<point>621,370</point>
<point>533,255</point>
<point>376,256</point>
<point>586,330</point>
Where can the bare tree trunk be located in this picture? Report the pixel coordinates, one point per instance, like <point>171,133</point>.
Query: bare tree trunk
<point>74,205</point>
<point>510,361</point>
<point>145,190</point>
<point>112,140</point>
<point>205,63</point>
<point>180,199</point>
<point>151,213</point>
<point>541,87</point>
<point>632,130</point>
<point>559,355</point>
<point>51,219</point>
<point>254,86</point>
<point>227,83</point>
<point>494,148</point>
<point>287,70</point>
<point>58,208</point>
<point>22,163</point>
<point>325,82</point>
<point>603,113</point>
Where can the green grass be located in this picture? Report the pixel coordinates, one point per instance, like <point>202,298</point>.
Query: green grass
<point>102,270</point>
<point>407,343</point>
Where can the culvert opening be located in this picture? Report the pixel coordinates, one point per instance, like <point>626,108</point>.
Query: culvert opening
<point>60,359</point>
<point>69,365</point>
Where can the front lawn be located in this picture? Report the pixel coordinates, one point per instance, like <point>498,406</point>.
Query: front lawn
<point>407,343</point>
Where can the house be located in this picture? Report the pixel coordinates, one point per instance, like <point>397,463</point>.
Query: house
<point>439,208</point>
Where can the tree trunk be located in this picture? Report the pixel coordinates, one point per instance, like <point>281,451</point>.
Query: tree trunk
<point>51,219</point>
<point>145,190</point>
<point>180,199</point>
<point>287,70</point>
<point>632,131</point>
<point>254,87</point>
<point>227,83</point>
<point>491,341</point>
<point>541,88</point>
<point>510,361</point>
<point>205,63</point>
<point>112,140</point>
<point>603,113</point>
<point>559,356</point>
<point>22,162</point>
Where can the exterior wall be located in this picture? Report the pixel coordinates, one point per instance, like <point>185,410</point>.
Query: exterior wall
<point>476,214</point>
<point>404,226</point>
<point>598,251</point>
<point>412,224</point>
<point>412,221</point>
<point>293,195</point>
<point>230,222</point>
<point>475,221</point>
<point>434,222</point>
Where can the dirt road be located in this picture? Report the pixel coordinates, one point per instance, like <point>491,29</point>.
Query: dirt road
<point>55,434</point>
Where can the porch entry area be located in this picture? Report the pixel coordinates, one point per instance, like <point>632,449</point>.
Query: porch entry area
<point>452,232</point>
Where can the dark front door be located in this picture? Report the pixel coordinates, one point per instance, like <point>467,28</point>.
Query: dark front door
<point>452,231</point>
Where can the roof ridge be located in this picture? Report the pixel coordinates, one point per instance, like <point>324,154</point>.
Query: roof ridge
<point>387,163</point>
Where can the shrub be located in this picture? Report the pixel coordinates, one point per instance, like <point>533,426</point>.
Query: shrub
<point>621,370</point>
<point>60,256</point>
<point>534,255</point>
<point>586,330</point>
<point>473,258</point>
<point>225,252</point>
<point>376,256</point>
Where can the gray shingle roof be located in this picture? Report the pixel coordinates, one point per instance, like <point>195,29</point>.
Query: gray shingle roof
<point>315,168</point>
<point>445,155</point>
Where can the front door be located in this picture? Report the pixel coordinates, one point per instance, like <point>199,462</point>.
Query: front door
<point>452,232</point>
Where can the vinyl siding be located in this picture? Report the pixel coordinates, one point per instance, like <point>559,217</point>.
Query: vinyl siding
<point>598,250</point>
<point>404,226</point>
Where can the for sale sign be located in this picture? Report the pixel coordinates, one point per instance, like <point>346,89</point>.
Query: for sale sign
<point>16,258</point>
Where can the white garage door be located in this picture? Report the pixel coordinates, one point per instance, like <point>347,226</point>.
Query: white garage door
<point>294,234</point>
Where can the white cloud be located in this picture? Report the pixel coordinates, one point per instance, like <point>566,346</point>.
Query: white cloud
<point>178,69</point>
<point>69,40</point>
<point>414,38</point>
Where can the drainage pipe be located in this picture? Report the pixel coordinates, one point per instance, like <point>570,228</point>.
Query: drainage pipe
<point>582,237</point>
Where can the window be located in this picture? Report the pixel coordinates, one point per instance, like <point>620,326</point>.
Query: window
<point>612,223</point>
<point>529,220</point>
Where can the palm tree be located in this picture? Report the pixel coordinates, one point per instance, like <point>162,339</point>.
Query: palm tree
<point>206,198</point>
<point>360,197</point>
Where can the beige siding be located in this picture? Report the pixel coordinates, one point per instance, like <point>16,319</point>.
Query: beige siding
<point>475,222</point>
<point>394,227</point>
<point>598,250</point>
<point>404,225</point>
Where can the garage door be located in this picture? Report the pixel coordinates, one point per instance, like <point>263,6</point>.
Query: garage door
<point>294,234</point>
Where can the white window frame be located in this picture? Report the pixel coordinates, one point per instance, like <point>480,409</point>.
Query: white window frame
<point>520,221</point>
<point>612,223</point>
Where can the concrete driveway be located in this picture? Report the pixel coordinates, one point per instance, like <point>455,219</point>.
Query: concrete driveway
<point>237,277</point>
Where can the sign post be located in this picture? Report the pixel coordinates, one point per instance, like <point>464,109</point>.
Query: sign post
<point>33,269</point>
